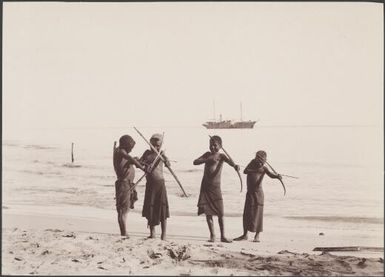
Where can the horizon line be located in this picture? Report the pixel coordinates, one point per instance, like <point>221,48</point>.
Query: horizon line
<point>194,126</point>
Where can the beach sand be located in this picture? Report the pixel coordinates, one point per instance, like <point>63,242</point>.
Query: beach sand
<point>70,240</point>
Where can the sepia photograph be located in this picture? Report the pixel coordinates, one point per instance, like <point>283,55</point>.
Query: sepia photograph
<point>192,138</point>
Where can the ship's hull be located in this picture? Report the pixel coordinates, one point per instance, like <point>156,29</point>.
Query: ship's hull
<point>229,125</point>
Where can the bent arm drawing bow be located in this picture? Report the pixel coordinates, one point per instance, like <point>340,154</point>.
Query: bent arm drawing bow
<point>239,175</point>
<point>160,156</point>
<point>275,172</point>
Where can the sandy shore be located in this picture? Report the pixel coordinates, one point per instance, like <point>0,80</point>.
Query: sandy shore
<point>78,240</point>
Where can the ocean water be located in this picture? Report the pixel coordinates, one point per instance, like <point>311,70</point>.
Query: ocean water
<point>339,169</point>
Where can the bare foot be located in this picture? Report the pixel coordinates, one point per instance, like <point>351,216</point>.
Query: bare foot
<point>226,240</point>
<point>163,237</point>
<point>243,237</point>
<point>256,240</point>
<point>212,239</point>
<point>151,237</point>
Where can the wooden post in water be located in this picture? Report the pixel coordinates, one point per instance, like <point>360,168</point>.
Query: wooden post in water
<point>72,153</point>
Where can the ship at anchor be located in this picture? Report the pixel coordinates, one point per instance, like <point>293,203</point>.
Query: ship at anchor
<point>229,124</point>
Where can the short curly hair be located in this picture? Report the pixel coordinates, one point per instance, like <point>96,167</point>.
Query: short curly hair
<point>261,155</point>
<point>126,140</point>
<point>216,139</point>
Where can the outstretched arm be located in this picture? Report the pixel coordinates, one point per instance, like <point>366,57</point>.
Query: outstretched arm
<point>202,159</point>
<point>275,176</point>
<point>137,164</point>
<point>229,161</point>
<point>271,174</point>
<point>130,159</point>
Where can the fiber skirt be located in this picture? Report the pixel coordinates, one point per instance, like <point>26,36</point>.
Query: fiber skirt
<point>125,197</point>
<point>155,206</point>
<point>210,203</point>
<point>253,213</point>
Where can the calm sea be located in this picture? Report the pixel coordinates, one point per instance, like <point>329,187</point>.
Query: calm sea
<point>339,169</point>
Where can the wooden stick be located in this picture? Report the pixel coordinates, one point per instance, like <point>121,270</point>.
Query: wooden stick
<point>371,248</point>
<point>349,248</point>
<point>113,155</point>
<point>72,152</point>
<point>169,168</point>
<point>113,150</point>
<point>336,249</point>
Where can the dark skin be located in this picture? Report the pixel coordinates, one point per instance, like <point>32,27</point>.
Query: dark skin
<point>135,160</point>
<point>122,215</point>
<point>256,173</point>
<point>213,161</point>
<point>157,172</point>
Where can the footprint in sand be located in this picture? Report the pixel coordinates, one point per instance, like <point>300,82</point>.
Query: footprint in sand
<point>69,236</point>
<point>87,255</point>
<point>54,230</point>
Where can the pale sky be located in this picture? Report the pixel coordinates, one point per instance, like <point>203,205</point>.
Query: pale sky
<point>163,64</point>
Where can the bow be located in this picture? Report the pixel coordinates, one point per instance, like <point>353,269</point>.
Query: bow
<point>275,172</point>
<point>150,167</point>
<point>160,156</point>
<point>239,175</point>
